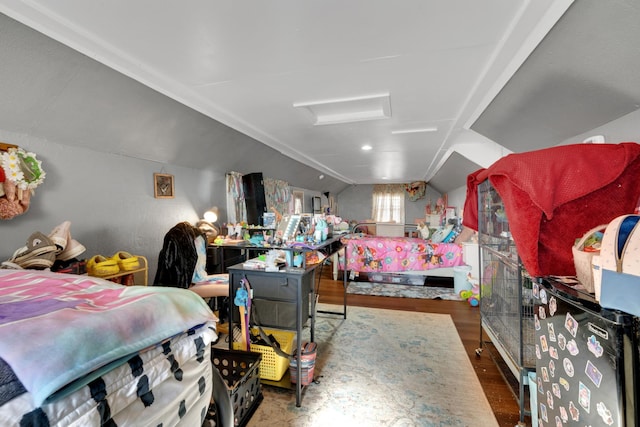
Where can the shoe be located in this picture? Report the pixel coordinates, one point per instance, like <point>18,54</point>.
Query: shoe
<point>10,265</point>
<point>39,253</point>
<point>68,248</point>
<point>73,266</point>
<point>73,250</point>
<point>101,266</point>
<point>61,235</point>
<point>126,261</point>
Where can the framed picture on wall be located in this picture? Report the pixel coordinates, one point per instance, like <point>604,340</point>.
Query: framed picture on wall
<point>163,186</point>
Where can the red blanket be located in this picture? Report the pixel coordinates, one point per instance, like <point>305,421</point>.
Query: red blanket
<point>553,196</point>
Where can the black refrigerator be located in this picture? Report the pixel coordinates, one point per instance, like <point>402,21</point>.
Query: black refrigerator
<point>586,359</point>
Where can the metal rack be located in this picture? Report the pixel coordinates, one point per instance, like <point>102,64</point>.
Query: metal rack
<point>506,298</point>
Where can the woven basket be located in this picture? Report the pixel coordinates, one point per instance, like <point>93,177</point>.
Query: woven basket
<point>582,259</point>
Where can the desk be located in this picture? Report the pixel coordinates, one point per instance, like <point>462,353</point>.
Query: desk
<point>291,295</point>
<point>328,248</point>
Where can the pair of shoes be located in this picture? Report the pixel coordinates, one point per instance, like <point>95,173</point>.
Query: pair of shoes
<point>101,266</point>
<point>39,253</point>
<point>126,261</point>
<point>121,261</point>
<point>68,248</point>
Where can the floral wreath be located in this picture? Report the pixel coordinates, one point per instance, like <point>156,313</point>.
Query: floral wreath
<point>23,168</point>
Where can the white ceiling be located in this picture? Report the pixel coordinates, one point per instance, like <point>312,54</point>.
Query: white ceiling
<point>246,63</point>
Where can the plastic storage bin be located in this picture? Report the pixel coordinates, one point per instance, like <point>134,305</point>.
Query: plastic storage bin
<point>238,374</point>
<point>273,367</point>
<point>460,282</point>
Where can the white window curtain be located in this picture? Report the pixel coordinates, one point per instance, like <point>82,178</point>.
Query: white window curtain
<point>388,203</point>
<point>236,210</point>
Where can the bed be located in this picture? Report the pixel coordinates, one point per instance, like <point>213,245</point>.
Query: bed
<point>381,257</point>
<point>78,350</point>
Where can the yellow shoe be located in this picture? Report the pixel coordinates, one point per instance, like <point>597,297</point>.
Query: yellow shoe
<point>126,261</point>
<point>102,266</point>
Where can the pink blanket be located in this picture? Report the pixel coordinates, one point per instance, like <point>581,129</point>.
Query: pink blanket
<point>555,195</point>
<point>397,254</point>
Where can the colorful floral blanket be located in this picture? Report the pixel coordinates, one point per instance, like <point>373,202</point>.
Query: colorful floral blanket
<point>56,328</point>
<point>397,254</point>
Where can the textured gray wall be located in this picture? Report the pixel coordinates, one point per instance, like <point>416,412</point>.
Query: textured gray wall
<point>108,199</point>
<point>101,135</point>
<point>355,202</point>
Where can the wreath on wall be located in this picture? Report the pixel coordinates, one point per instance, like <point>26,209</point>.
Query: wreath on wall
<point>20,174</point>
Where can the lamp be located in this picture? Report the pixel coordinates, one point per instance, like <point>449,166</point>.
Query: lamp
<point>211,215</point>
<point>207,225</point>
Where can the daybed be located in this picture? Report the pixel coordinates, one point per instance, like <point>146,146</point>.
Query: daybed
<point>79,350</point>
<point>380,256</point>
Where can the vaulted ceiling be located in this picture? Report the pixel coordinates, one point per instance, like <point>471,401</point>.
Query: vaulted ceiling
<point>408,78</point>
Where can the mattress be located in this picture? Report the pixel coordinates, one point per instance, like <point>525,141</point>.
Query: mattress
<point>169,384</point>
<point>78,350</point>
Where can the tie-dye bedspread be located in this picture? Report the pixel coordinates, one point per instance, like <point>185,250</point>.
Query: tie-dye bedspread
<point>56,328</point>
<point>396,254</point>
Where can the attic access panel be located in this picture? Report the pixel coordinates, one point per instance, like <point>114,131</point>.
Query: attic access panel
<point>581,76</point>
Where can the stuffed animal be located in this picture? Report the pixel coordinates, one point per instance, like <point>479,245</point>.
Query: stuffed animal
<point>423,229</point>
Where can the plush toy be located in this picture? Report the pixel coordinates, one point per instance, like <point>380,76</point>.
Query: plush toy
<point>423,229</point>
<point>472,296</point>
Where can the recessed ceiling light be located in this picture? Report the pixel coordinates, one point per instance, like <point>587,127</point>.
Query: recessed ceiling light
<point>416,130</point>
<point>346,110</point>
<point>366,147</point>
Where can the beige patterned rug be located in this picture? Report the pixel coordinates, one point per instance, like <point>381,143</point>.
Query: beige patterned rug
<point>383,368</point>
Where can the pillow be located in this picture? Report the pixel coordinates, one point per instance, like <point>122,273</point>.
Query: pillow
<point>440,234</point>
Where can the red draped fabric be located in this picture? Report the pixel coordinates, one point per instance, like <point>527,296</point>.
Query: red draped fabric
<point>555,195</point>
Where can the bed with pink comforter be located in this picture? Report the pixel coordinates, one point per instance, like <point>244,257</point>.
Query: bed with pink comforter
<point>367,254</point>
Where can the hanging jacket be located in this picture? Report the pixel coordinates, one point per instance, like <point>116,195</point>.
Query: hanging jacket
<point>177,259</point>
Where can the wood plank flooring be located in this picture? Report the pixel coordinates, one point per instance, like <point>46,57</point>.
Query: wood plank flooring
<point>467,320</point>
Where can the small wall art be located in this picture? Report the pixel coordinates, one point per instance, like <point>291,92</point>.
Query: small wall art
<point>163,187</point>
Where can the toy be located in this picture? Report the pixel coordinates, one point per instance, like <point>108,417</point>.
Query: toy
<point>424,231</point>
<point>473,295</point>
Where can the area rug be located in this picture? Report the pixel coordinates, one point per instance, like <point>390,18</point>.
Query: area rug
<point>402,291</point>
<point>383,368</point>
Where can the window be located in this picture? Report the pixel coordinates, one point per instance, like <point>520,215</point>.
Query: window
<point>298,202</point>
<point>388,203</point>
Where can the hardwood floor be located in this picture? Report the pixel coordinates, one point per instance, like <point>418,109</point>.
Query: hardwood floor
<point>467,320</point>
